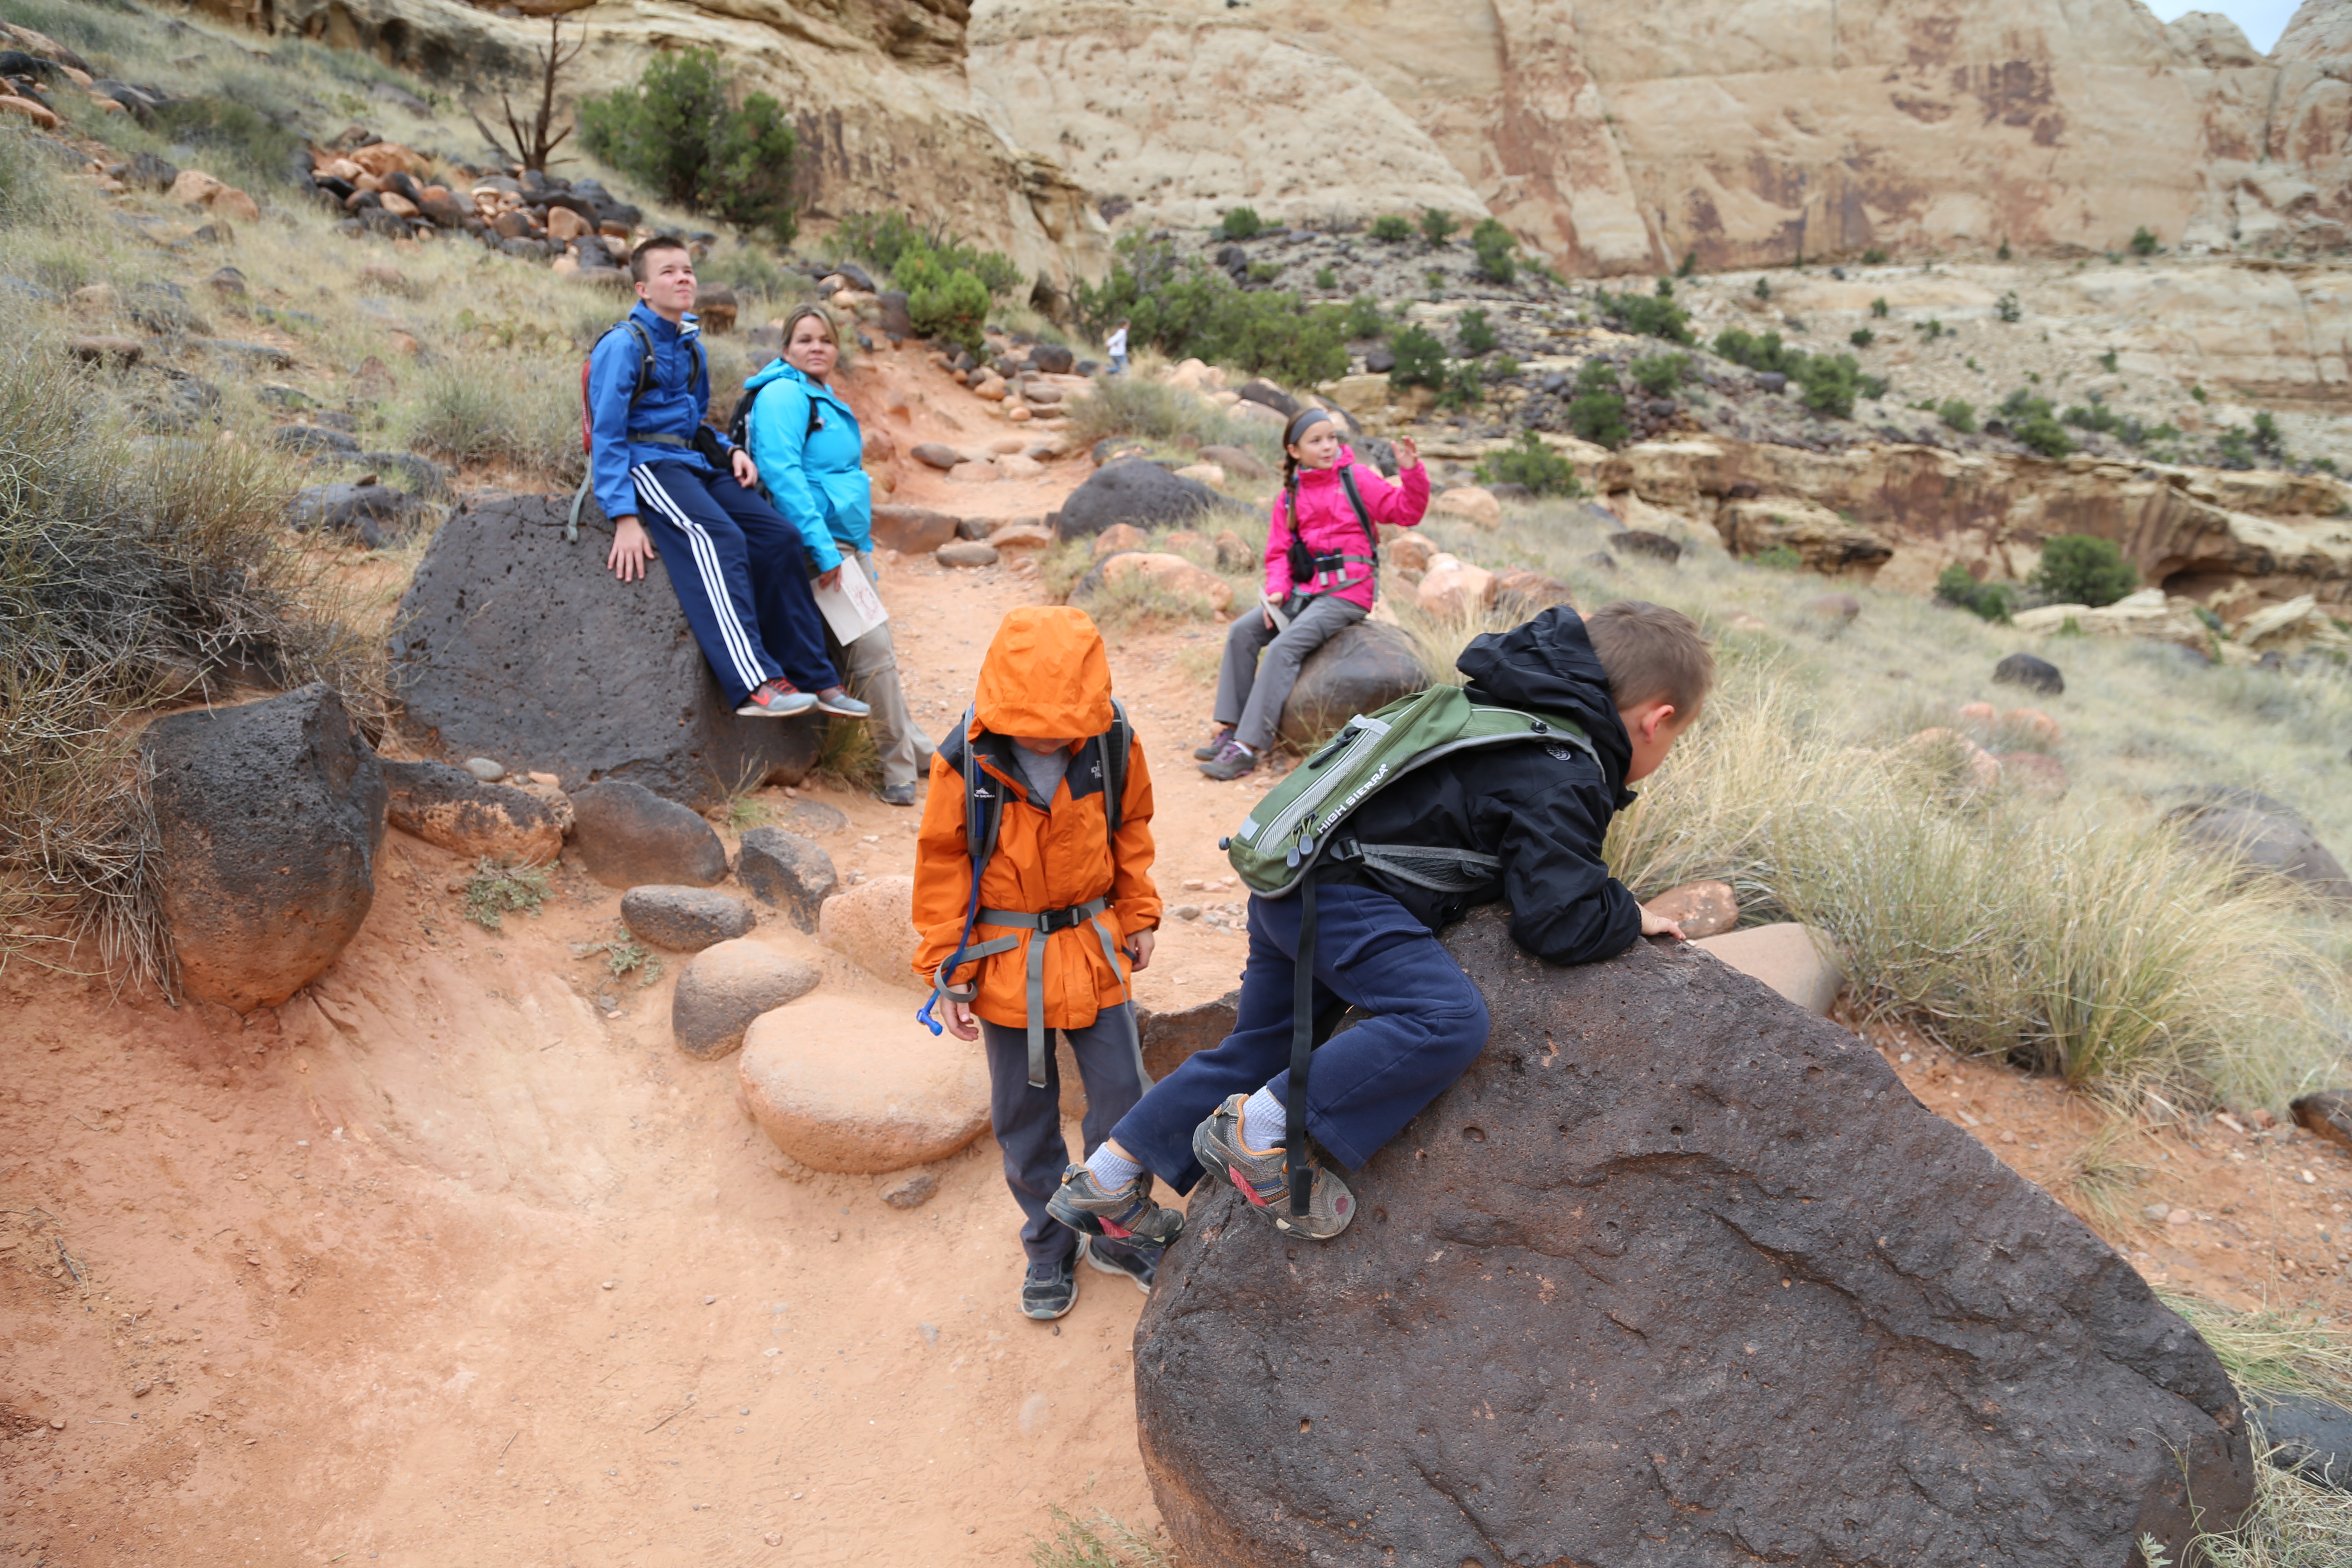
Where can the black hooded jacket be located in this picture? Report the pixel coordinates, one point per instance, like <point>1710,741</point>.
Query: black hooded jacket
<point>1542,807</point>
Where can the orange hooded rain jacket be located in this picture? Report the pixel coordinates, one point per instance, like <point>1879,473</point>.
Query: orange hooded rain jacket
<point>1046,676</point>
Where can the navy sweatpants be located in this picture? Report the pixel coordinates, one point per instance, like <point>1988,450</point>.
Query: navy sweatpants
<point>1028,1121</point>
<point>1427,1025</point>
<point>740,578</point>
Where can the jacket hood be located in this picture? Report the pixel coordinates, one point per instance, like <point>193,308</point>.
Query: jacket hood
<point>1548,665</point>
<point>777,370</point>
<point>1046,676</point>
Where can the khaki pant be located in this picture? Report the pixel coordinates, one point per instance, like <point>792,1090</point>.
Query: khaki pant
<point>870,670</point>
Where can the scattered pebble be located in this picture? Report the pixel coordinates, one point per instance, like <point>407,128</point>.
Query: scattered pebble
<point>710,1300</point>
<point>2178,1216</point>
<point>484,770</point>
<point>1186,911</point>
<point>58,1423</point>
<point>610,1283</point>
<point>2159,1212</point>
<point>140,1390</point>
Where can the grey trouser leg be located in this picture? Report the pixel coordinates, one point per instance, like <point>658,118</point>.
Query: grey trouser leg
<point>1238,673</point>
<point>1028,1121</point>
<point>870,670</point>
<point>1261,699</point>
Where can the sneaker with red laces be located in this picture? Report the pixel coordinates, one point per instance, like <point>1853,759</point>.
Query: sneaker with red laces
<point>1264,1181</point>
<point>776,700</point>
<point>1120,1213</point>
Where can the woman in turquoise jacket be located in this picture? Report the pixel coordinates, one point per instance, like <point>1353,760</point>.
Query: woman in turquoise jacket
<point>808,448</point>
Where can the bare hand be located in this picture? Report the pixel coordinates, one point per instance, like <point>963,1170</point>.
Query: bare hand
<point>1138,948</point>
<point>829,579</point>
<point>959,1022</point>
<point>1408,455</point>
<point>1658,925</point>
<point>747,472</point>
<point>1265,614</point>
<point>631,549</point>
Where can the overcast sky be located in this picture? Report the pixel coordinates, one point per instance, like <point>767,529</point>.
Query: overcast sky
<point>2262,20</point>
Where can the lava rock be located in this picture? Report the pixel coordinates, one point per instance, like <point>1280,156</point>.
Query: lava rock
<point>1669,1257</point>
<point>2033,674</point>
<point>1528,593</point>
<point>896,321</point>
<point>2279,843</point>
<point>912,529</point>
<point>512,642</point>
<point>628,837</point>
<point>1641,541</point>
<point>684,920</point>
<point>2314,1437</point>
<point>1238,461</point>
<point>451,809</point>
<point>1265,394</point>
<point>2326,1115</point>
<point>313,441</point>
<point>1360,669</point>
<point>146,172</point>
<point>1772,381</point>
<point>1383,360</point>
<point>788,872</point>
<point>375,515</point>
<point>1132,491</point>
<point>1169,1039</point>
<point>269,816</point>
<point>975,528</point>
<point>726,986</point>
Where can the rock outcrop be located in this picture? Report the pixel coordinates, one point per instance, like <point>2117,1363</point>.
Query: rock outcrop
<point>452,809</point>
<point>1362,669</point>
<point>1620,135</point>
<point>1674,1273</point>
<point>817,1079</point>
<point>516,643</point>
<point>269,816</point>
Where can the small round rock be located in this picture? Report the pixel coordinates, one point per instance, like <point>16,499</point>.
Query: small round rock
<point>484,770</point>
<point>610,1283</point>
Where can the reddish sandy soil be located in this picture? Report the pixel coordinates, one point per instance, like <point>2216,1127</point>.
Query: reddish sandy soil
<point>454,1257</point>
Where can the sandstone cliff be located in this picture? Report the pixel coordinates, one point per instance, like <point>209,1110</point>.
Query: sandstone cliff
<point>878,90</point>
<point>1619,135</point>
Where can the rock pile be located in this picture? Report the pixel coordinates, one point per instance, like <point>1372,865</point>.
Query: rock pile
<point>1675,1272</point>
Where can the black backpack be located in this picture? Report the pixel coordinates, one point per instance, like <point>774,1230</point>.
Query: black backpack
<point>1305,566</point>
<point>739,424</point>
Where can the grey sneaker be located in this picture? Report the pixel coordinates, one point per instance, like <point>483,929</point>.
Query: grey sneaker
<point>1050,1290</point>
<point>1232,761</point>
<point>838,701</point>
<point>1217,1144</point>
<point>1136,1265</point>
<point>1207,752</point>
<point>896,795</point>
<point>1089,1207</point>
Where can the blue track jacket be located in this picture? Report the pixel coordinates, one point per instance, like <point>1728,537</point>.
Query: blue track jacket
<point>813,476</point>
<point>674,404</point>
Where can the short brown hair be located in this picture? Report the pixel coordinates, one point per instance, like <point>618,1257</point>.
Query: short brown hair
<point>1652,653</point>
<point>647,247</point>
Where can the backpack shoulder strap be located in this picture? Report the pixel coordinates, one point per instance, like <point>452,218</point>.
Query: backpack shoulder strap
<point>1356,499</point>
<point>1116,742</point>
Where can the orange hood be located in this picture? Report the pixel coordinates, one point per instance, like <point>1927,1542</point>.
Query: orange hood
<point>1046,676</point>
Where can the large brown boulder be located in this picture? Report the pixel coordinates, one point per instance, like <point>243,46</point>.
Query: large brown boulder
<point>1363,669</point>
<point>269,816</point>
<point>1675,1273</point>
<point>515,643</point>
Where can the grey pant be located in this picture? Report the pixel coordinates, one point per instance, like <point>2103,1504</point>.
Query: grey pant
<point>1249,696</point>
<point>870,670</point>
<point>1028,1121</point>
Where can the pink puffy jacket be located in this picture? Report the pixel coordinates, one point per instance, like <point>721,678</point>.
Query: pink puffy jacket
<point>1328,526</point>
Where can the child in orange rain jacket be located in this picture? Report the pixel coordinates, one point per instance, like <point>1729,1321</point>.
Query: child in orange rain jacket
<point>1065,894</point>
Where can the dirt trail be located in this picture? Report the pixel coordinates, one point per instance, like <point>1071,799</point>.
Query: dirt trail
<point>454,1257</point>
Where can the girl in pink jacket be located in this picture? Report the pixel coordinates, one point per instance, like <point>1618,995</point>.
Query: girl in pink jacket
<point>1319,577</point>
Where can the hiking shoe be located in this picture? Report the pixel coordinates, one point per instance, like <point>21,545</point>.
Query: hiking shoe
<point>1138,1265</point>
<point>896,795</point>
<point>1217,1144</point>
<point>1050,1290</point>
<point>776,700</point>
<point>1089,1207</point>
<point>841,704</point>
<point>1232,761</point>
<point>1207,752</point>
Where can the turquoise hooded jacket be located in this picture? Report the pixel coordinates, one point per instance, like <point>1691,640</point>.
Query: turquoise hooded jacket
<point>811,475</point>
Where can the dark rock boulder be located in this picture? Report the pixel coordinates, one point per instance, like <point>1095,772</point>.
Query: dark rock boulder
<point>2277,841</point>
<point>724,987</point>
<point>514,643</point>
<point>1169,1037</point>
<point>1641,541</point>
<point>1365,667</point>
<point>314,441</point>
<point>627,835</point>
<point>912,529</point>
<point>2326,1115</point>
<point>1053,359</point>
<point>935,454</point>
<point>1237,460</point>
<point>1138,492</point>
<point>451,809</point>
<point>685,920</point>
<point>2314,1437</point>
<point>1676,1273</point>
<point>375,515</point>
<point>788,872</point>
<point>896,321</point>
<point>1264,393</point>
<point>2033,674</point>
<point>269,816</point>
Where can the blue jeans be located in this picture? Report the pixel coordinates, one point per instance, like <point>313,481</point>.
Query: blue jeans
<point>1117,365</point>
<point>1028,1121</point>
<point>1427,1025</point>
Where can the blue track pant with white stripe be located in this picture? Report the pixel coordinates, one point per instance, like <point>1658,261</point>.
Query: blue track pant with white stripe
<point>740,576</point>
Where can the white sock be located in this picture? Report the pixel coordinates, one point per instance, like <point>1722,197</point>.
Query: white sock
<point>1110,1169</point>
<point>1264,1121</point>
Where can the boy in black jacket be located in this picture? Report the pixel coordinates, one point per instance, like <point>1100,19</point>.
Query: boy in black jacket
<point>1635,677</point>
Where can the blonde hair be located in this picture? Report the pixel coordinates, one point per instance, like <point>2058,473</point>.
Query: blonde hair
<point>802,313</point>
<point>1652,653</point>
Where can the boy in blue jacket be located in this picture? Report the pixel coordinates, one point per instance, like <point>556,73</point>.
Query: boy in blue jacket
<point>671,484</point>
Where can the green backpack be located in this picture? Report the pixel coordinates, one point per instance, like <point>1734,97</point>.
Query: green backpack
<point>1290,833</point>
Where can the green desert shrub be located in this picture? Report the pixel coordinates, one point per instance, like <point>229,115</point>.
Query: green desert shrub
<point>1988,601</point>
<point>1495,248</point>
<point>1420,359</point>
<point>2144,241</point>
<point>1763,351</point>
<point>1830,384</point>
<point>1476,333</point>
<point>1661,375</point>
<point>681,130</point>
<point>1240,223</point>
<point>1364,318</point>
<point>1651,315</point>
<point>2078,569</point>
<point>1155,412</point>
<point>1530,463</point>
<point>1597,412</point>
<point>1436,226</point>
<point>1957,413</point>
<point>1391,228</point>
<point>1186,308</point>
